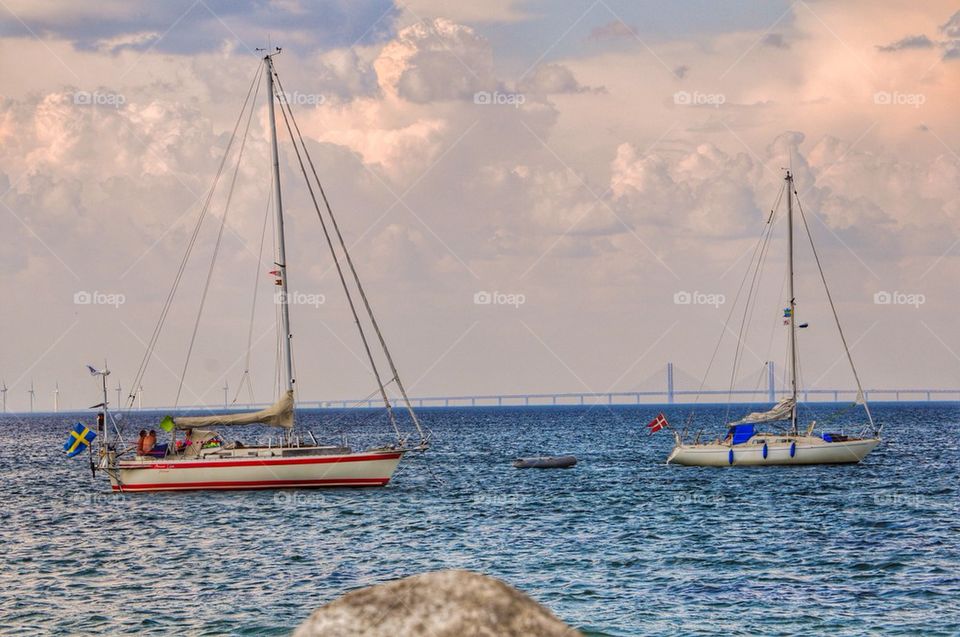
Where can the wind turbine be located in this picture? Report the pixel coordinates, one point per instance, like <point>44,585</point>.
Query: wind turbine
<point>31,392</point>
<point>226,388</point>
<point>119,402</point>
<point>140,397</point>
<point>3,392</point>
<point>56,398</point>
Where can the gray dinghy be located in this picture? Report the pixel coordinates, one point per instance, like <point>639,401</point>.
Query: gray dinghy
<point>545,462</point>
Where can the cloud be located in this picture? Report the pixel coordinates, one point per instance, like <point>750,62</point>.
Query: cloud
<point>554,78</point>
<point>115,25</point>
<point>951,28</point>
<point>775,41</point>
<point>612,30</point>
<point>909,42</point>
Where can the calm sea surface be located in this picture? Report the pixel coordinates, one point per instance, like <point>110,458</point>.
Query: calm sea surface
<point>619,545</point>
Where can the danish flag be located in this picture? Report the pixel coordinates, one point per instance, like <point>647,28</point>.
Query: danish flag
<point>657,423</point>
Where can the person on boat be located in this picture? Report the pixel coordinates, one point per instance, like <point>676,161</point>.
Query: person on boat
<point>149,442</point>
<point>143,437</point>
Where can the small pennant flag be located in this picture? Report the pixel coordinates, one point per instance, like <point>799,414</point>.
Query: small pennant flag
<point>657,423</point>
<point>787,312</point>
<point>275,272</point>
<point>167,424</point>
<point>80,438</point>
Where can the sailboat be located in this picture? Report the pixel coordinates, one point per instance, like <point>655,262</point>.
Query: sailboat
<point>197,455</point>
<point>773,437</point>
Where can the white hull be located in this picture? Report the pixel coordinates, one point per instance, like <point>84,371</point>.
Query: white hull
<point>264,470</point>
<point>766,450</point>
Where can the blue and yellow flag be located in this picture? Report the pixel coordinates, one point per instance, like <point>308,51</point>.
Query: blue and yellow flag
<point>80,438</point>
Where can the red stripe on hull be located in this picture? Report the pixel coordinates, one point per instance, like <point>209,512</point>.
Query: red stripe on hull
<point>253,462</point>
<point>255,484</point>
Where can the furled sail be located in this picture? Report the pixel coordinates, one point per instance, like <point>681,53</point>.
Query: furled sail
<point>279,414</point>
<point>781,411</point>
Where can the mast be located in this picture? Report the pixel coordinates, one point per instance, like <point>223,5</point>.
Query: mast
<point>281,260</point>
<point>793,305</point>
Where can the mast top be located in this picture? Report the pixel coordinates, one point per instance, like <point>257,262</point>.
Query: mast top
<point>273,51</point>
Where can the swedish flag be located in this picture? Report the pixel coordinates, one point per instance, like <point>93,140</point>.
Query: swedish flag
<point>80,438</point>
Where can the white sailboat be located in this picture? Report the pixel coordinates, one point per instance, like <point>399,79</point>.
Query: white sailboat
<point>773,437</point>
<point>197,456</point>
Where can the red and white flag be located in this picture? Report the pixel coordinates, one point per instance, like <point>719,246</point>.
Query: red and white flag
<point>657,423</point>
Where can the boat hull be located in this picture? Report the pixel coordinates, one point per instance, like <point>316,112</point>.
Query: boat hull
<point>361,469</point>
<point>798,450</point>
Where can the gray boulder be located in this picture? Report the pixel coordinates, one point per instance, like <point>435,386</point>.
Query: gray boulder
<point>440,604</point>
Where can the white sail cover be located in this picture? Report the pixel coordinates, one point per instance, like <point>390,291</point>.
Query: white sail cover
<point>780,411</point>
<point>279,414</point>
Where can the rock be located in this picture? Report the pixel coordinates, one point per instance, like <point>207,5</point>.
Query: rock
<point>440,604</point>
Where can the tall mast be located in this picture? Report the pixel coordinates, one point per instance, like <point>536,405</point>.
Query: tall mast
<point>793,305</point>
<point>281,260</point>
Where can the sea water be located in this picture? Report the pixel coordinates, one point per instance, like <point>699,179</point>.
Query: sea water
<point>619,545</point>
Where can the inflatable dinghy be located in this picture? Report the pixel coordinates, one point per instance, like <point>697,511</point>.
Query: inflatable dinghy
<point>545,462</point>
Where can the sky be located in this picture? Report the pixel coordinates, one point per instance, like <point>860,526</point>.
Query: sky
<point>539,197</point>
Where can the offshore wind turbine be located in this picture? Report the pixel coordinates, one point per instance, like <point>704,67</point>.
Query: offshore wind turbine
<point>3,392</point>
<point>31,392</point>
<point>56,398</point>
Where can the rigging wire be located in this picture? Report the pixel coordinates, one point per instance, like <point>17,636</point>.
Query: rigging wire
<point>171,294</point>
<point>749,307</point>
<point>245,378</point>
<point>339,268</point>
<point>768,227</point>
<point>860,395</point>
<point>216,247</point>
<point>356,277</point>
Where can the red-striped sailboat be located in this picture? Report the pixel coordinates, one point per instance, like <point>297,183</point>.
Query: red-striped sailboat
<point>197,456</point>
